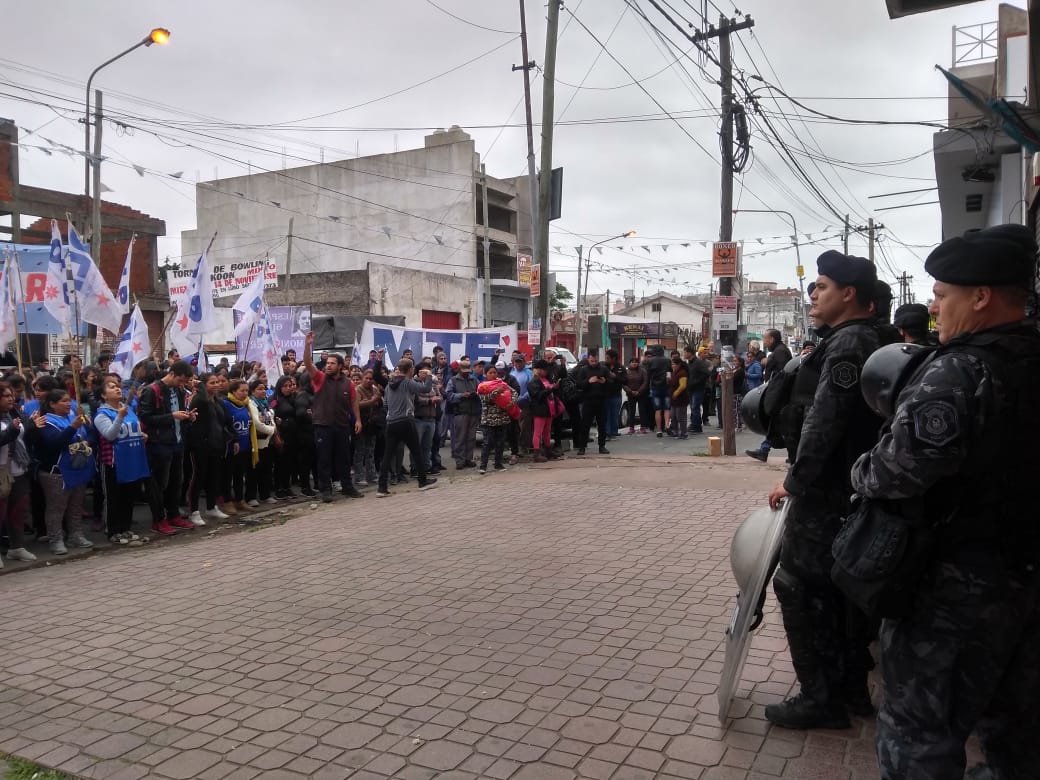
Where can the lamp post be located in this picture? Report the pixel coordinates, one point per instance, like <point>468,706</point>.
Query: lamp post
<point>159,35</point>
<point>582,296</point>
<point>798,255</point>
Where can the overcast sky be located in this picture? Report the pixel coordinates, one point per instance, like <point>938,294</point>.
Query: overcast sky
<point>268,63</point>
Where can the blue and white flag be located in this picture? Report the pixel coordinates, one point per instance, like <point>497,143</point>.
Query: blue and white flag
<point>202,314</point>
<point>124,279</point>
<point>56,291</point>
<point>356,355</point>
<point>133,347</point>
<point>96,302</point>
<point>270,354</point>
<point>249,304</point>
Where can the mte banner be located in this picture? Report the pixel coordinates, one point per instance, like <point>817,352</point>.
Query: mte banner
<point>477,344</point>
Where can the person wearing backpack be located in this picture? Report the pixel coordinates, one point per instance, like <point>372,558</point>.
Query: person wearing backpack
<point>779,356</point>
<point>828,415</point>
<point>163,411</point>
<point>954,463</point>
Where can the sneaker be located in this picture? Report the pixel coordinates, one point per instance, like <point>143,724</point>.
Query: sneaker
<point>382,492</point>
<point>429,484</point>
<point>242,506</point>
<point>659,435</point>
<point>253,503</point>
<point>604,451</point>
<point>180,522</point>
<point>228,509</point>
<point>270,500</point>
<point>351,492</point>
<point>482,470</point>
<point>631,430</point>
<point>163,528</point>
<point>469,464</point>
<point>281,495</point>
<point>119,539</point>
<point>326,496</point>
<point>309,492</point>
<point>684,436</point>
<point>79,540</point>
<point>215,514</point>
<point>800,712</point>
<point>58,547</point>
<point>20,554</point>
<point>643,430</point>
<point>581,450</point>
<point>196,519</point>
<point>361,483</point>
<point>757,455</point>
<point>540,458</point>
<point>500,467</point>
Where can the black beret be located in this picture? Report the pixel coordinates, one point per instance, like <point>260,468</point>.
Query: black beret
<point>911,315</point>
<point>810,288</point>
<point>882,292</point>
<point>1000,255</point>
<point>847,269</point>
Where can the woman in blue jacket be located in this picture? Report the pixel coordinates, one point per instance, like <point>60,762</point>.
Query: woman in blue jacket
<point>62,476</point>
<point>244,452</point>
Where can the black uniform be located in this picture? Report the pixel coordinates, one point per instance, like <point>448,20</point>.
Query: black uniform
<point>827,639</point>
<point>963,445</point>
<point>594,397</point>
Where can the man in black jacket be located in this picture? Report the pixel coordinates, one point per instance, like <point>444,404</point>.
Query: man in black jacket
<point>164,415</point>
<point>698,373</point>
<point>595,382</point>
<point>779,356</point>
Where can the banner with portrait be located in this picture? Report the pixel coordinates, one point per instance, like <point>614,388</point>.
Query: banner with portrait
<point>289,324</point>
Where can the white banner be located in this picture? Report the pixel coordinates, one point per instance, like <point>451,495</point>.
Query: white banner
<point>227,279</point>
<point>724,312</point>
<point>478,344</point>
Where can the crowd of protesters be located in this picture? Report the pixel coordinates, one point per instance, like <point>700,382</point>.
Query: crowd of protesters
<point>218,444</point>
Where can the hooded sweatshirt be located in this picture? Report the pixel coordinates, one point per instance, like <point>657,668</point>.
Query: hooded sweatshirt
<point>400,397</point>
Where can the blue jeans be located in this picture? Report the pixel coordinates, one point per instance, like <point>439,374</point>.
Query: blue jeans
<point>427,432</point>
<point>696,400</point>
<point>613,415</point>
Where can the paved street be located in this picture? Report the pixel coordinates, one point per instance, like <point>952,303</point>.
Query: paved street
<point>552,622</point>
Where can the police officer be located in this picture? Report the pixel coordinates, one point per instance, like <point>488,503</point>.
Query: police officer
<point>912,321</point>
<point>828,426</point>
<point>961,451</point>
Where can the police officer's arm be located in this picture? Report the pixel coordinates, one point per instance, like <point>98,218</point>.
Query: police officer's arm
<point>836,400</point>
<point>928,437</point>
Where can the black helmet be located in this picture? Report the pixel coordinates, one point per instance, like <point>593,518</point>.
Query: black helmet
<point>751,411</point>
<point>886,372</point>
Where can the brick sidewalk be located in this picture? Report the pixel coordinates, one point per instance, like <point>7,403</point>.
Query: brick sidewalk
<point>549,623</point>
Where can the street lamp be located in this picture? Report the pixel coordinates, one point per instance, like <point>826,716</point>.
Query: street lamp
<point>159,35</point>
<point>798,255</point>
<point>581,295</point>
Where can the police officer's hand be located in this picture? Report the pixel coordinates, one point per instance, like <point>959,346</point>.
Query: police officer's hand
<point>778,494</point>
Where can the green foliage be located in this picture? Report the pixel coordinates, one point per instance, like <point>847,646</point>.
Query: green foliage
<point>560,298</point>
<point>20,769</point>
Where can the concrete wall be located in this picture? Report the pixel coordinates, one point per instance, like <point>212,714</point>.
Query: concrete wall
<point>333,292</point>
<point>415,194</point>
<point>405,292</point>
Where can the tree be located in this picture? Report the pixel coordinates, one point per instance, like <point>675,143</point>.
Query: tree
<point>560,298</point>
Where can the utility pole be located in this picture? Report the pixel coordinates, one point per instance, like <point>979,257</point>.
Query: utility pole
<point>552,32</point>
<point>95,222</point>
<point>845,235</point>
<point>288,266</point>
<point>577,306</point>
<point>729,337</point>
<point>870,239</point>
<point>487,248</point>
<point>532,175</point>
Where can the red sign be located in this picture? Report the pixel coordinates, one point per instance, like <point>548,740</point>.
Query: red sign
<point>724,258</point>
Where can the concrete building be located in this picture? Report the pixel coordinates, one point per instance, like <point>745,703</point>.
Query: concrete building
<point>397,234</point>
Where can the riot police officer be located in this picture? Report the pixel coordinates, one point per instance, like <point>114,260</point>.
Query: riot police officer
<point>828,426</point>
<point>912,321</point>
<point>959,457</point>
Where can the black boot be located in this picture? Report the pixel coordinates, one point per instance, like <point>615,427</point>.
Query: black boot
<point>801,712</point>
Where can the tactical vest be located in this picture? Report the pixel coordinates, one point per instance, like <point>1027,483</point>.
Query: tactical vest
<point>990,502</point>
